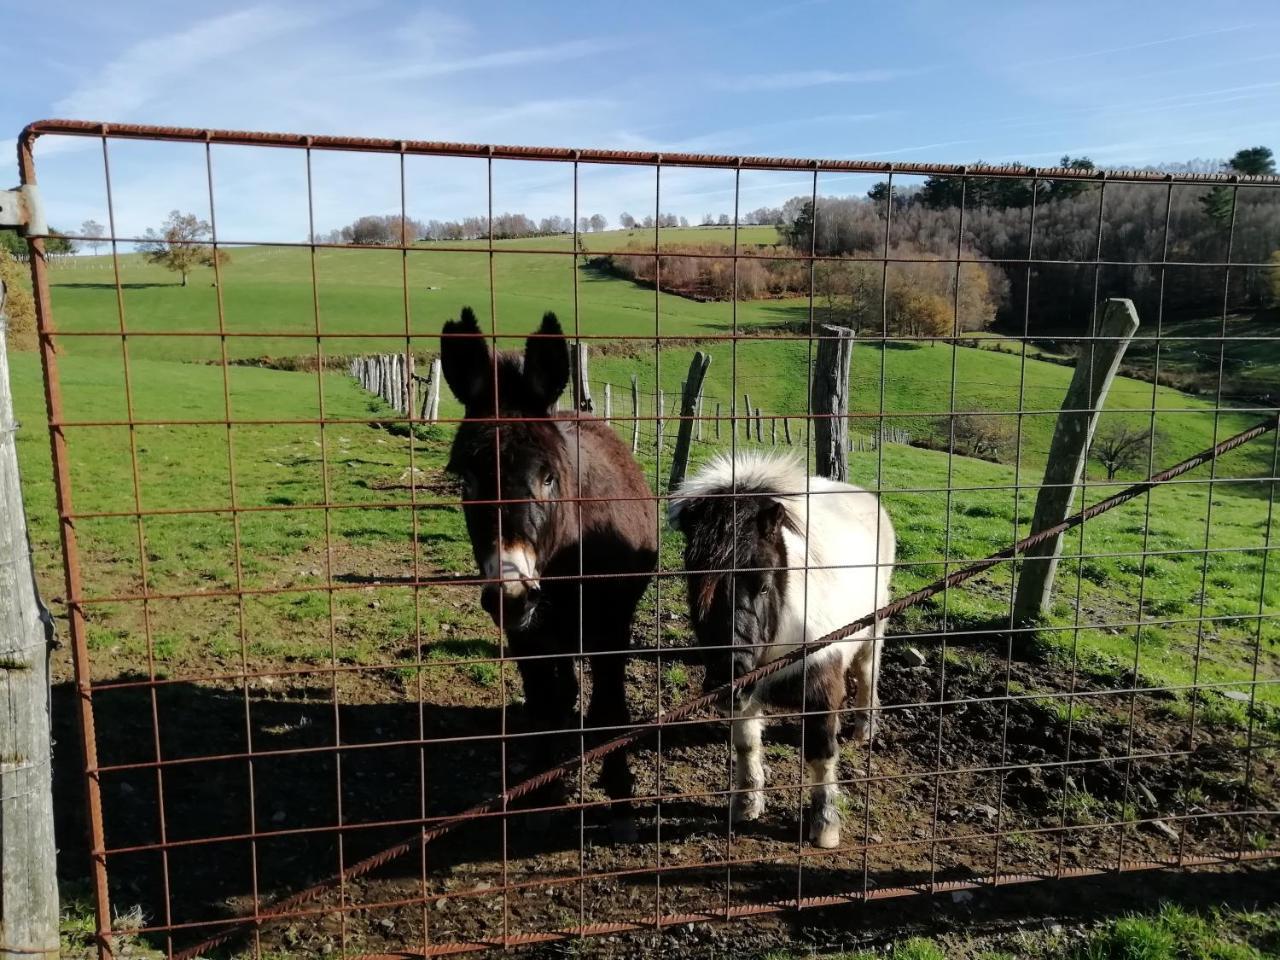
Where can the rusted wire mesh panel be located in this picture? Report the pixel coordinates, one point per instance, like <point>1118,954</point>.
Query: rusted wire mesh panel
<point>385,640</point>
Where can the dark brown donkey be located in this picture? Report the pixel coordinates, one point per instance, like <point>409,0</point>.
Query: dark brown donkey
<point>540,546</point>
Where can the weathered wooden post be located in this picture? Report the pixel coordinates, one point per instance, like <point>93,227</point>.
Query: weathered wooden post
<point>432,403</point>
<point>661,403</point>
<point>759,427</point>
<point>579,379</point>
<point>28,881</point>
<point>786,430</point>
<point>829,402</point>
<point>717,420</point>
<point>697,415</point>
<point>635,414</point>
<point>1069,449</point>
<point>773,431</point>
<point>689,398</point>
<point>608,402</point>
<point>746,418</point>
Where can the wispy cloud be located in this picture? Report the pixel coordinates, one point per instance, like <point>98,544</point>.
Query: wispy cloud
<point>799,79</point>
<point>501,59</point>
<point>145,70</point>
<point>1128,48</point>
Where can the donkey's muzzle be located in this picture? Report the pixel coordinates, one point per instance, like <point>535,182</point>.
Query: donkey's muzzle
<point>511,608</point>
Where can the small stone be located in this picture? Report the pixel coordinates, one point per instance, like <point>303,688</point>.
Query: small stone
<point>1053,927</point>
<point>913,657</point>
<point>440,904</point>
<point>483,885</point>
<point>986,810</point>
<point>1237,695</point>
<point>1161,827</point>
<point>961,896</point>
<point>374,604</point>
<point>387,924</point>
<point>1147,795</point>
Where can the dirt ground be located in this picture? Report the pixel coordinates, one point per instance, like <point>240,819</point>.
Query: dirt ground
<point>1027,786</point>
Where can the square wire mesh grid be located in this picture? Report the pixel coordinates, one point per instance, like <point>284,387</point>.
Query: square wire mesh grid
<point>299,727</point>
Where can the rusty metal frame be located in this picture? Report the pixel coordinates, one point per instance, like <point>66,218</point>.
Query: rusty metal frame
<point>957,569</point>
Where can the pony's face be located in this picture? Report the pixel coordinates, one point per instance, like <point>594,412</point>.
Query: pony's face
<point>513,474</point>
<point>736,557</point>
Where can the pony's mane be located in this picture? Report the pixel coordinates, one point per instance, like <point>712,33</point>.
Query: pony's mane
<point>749,473</point>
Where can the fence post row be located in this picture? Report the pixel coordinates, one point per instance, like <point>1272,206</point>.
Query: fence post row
<point>830,402</point>
<point>28,881</point>
<point>1072,435</point>
<point>393,377</point>
<point>579,378</point>
<point>690,398</point>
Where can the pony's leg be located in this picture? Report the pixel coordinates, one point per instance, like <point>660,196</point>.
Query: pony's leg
<point>821,755</point>
<point>609,709</point>
<point>748,766</point>
<point>866,702</point>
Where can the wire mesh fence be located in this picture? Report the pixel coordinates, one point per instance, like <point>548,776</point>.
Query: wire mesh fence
<point>357,669</point>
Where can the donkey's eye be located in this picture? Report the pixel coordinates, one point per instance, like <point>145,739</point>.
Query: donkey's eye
<point>548,480</point>
<point>764,589</point>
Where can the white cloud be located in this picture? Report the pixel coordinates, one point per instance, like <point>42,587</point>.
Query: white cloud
<point>145,71</point>
<point>799,79</point>
<point>517,57</point>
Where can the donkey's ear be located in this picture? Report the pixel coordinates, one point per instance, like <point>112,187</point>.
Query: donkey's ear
<point>464,358</point>
<point>546,363</point>
<point>771,518</point>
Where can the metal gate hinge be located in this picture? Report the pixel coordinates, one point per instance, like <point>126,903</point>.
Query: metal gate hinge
<point>21,208</point>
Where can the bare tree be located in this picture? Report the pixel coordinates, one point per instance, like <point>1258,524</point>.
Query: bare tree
<point>984,436</point>
<point>92,232</point>
<point>181,245</point>
<point>598,223</point>
<point>626,220</point>
<point>1120,446</point>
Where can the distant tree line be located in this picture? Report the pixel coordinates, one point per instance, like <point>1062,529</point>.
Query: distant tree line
<point>1075,263</point>
<point>388,229</point>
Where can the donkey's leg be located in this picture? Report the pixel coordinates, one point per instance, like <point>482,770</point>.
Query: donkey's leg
<point>748,766</point>
<point>821,753</point>
<point>866,702</point>
<point>550,691</point>
<point>609,709</point>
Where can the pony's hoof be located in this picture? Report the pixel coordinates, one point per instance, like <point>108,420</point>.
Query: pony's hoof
<point>746,807</point>
<point>827,836</point>
<point>863,728</point>
<point>624,830</point>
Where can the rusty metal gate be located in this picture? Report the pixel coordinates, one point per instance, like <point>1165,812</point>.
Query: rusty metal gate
<point>359,787</point>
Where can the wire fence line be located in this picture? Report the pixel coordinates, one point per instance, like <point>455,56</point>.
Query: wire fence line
<point>957,799</point>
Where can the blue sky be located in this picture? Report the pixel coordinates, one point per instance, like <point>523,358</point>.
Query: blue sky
<point>1125,83</point>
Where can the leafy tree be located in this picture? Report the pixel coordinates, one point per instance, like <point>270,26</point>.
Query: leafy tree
<point>626,221</point>
<point>12,244</point>
<point>1274,278</point>
<point>1253,162</point>
<point>93,232</point>
<point>181,245</point>
<point>1217,202</point>
<point>57,242</point>
<point>978,435</point>
<point>1066,189</point>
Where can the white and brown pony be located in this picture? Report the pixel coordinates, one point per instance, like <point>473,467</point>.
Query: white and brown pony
<point>776,559</point>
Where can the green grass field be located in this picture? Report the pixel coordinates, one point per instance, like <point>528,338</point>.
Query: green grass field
<point>283,468</point>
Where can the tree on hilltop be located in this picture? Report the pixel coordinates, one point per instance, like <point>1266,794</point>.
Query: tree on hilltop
<point>181,245</point>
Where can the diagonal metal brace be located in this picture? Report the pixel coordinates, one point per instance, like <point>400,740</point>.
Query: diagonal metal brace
<point>21,208</point>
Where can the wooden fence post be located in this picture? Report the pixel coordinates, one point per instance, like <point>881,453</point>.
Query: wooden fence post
<point>662,402</point>
<point>28,881</point>
<point>579,380</point>
<point>608,402</point>
<point>689,399</point>
<point>746,416</point>
<point>759,427</point>
<point>1069,448</point>
<point>697,422</point>
<point>786,430</point>
<point>773,431</point>
<point>635,415</point>
<point>830,402</point>
<point>433,392</point>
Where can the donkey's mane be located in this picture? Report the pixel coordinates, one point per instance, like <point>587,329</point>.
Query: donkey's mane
<point>714,490</point>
